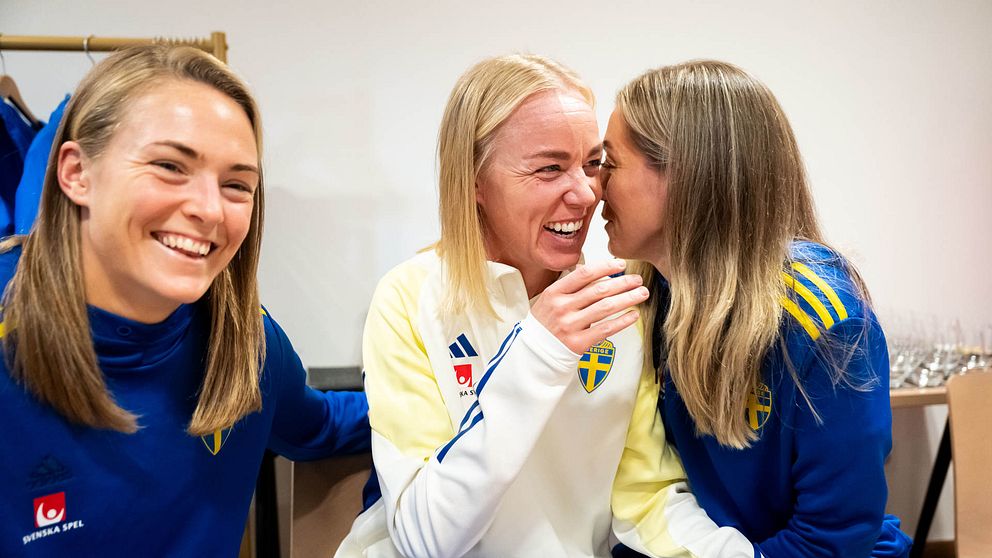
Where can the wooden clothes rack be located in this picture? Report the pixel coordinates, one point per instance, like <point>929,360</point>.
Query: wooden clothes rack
<point>215,44</point>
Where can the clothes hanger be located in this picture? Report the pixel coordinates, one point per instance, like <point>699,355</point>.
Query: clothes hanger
<point>9,91</point>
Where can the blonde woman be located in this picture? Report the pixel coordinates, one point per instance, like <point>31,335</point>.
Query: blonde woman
<point>501,382</point>
<point>141,380</point>
<point>775,367</point>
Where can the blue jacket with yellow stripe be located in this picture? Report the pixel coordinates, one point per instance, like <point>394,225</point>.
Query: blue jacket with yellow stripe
<point>806,487</point>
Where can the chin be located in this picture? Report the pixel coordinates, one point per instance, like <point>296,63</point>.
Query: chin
<point>562,262</point>
<point>187,294</point>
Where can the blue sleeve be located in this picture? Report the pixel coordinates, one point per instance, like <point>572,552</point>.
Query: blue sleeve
<point>838,466</point>
<point>310,424</point>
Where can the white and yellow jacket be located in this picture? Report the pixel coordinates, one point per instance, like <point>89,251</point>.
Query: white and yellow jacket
<point>491,438</point>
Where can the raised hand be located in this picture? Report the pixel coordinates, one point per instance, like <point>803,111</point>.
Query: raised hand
<point>577,308</point>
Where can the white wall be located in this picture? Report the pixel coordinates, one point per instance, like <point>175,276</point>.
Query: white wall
<point>890,101</point>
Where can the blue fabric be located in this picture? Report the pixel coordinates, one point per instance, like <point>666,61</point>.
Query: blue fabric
<point>28,194</point>
<point>20,130</point>
<point>11,166</point>
<point>805,488</point>
<point>15,138</point>
<point>160,491</point>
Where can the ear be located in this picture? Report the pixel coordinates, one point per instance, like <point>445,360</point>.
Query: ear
<point>72,175</point>
<point>479,198</point>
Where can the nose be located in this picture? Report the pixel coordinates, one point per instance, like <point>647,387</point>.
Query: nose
<point>584,191</point>
<point>205,202</point>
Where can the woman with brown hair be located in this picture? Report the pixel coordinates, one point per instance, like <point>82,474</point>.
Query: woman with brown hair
<point>775,368</point>
<point>142,379</point>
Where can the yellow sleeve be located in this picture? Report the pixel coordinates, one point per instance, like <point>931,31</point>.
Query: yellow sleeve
<point>405,403</point>
<point>654,512</point>
<point>648,468</point>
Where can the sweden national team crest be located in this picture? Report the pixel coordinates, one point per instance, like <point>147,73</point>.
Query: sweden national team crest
<point>759,406</point>
<point>595,365</point>
<point>216,440</point>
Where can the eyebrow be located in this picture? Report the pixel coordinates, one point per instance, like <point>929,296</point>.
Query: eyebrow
<point>194,154</point>
<point>550,154</point>
<point>562,155</point>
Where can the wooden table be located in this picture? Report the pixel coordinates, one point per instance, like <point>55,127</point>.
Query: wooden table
<point>920,397</point>
<point>917,397</point>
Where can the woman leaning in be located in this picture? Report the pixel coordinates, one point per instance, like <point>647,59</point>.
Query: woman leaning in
<point>502,382</point>
<point>141,380</point>
<point>774,365</point>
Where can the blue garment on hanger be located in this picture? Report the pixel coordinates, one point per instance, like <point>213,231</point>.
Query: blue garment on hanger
<point>28,194</point>
<point>15,138</point>
<point>20,130</point>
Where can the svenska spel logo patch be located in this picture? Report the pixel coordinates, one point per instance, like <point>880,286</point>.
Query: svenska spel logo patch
<point>595,365</point>
<point>49,510</point>
<point>463,374</point>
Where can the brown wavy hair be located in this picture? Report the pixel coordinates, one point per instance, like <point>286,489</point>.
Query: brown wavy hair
<point>737,198</point>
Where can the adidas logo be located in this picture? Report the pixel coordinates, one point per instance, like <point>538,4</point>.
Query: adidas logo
<point>50,471</point>
<point>461,348</point>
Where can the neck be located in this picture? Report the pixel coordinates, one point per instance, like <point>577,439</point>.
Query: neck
<point>662,265</point>
<point>133,306</point>
<point>129,309</point>
<point>538,280</point>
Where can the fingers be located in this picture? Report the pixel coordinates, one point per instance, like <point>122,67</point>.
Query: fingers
<point>604,288</point>
<point>587,305</point>
<point>585,274</point>
<point>609,305</point>
<point>603,329</point>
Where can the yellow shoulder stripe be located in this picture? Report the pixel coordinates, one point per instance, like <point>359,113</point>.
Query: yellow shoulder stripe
<point>801,317</point>
<point>823,286</point>
<point>3,329</point>
<point>262,311</point>
<point>810,298</point>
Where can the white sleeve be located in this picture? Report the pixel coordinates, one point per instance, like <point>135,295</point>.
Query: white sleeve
<point>441,503</point>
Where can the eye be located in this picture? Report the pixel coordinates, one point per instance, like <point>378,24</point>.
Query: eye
<point>607,165</point>
<point>592,167</point>
<point>549,169</point>
<point>168,166</point>
<point>240,187</point>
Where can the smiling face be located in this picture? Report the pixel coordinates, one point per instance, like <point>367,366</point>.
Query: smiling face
<point>634,197</point>
<point>539,187</point>
<point>168,203</point>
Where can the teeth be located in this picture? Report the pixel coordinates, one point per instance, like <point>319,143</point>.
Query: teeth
<point>186,244</point>
<point>565,227</point>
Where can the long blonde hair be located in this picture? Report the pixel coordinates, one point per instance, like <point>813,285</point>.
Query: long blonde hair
<point>483,98</point>
<point>737,198</point>
<point>48,346</point>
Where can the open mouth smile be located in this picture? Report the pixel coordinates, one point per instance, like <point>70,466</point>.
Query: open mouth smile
<point>565,229</point>
<point>185,245</point>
